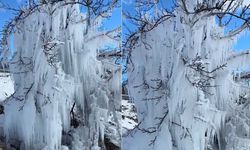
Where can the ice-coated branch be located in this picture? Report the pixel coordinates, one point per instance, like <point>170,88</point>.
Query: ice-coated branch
<point>205,76</point>
<point>238,55</point>
<point>113,35</point>
<point>227,11</point>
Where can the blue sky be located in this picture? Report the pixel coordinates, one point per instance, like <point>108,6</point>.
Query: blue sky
<point>5,15</point>
<point>243,42</point>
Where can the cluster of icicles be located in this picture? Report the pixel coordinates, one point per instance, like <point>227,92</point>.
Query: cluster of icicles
<point>179,107</point>
<point>64,97</point>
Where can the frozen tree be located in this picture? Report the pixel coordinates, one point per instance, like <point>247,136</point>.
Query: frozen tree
<point>188,84</point>
<point>64,97</point>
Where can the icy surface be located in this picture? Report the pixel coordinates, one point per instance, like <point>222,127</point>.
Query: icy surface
<point>182,77</point>
<point>64,97</point>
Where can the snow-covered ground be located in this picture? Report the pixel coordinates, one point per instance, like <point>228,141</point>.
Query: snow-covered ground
<point>129,116</point>
<point>6,86</point>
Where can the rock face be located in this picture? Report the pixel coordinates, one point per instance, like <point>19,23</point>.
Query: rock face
<point>2,146</point>
<point>1,109</point>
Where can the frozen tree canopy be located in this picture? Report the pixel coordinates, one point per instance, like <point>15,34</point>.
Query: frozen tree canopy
<point>188,85</point>
<point>64,97</point>
<point>186,88</point>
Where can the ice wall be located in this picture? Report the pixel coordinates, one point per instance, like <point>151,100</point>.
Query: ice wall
<point>63,95</point>
<point>181,77</point>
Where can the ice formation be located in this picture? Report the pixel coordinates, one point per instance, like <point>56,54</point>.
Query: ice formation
<point>64,97</point>
<point>183,76</point>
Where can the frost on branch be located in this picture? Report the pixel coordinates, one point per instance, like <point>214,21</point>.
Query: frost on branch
<point>184,78</point>
<point>64,97</point>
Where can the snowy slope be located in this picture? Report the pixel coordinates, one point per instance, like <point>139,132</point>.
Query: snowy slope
<point>129,116</point>
<point>6,86</point>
